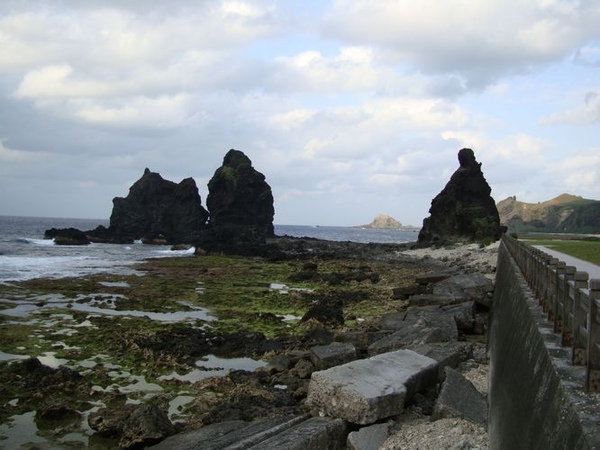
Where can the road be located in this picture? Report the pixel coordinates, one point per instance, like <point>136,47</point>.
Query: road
<point>583,266</point>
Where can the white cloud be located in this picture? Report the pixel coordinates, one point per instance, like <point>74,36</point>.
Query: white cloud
<point>481,41</point>
<point>586,114</point>
<point>579,173</point>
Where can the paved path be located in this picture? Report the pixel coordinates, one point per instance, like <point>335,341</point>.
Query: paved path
<point>583,266</point>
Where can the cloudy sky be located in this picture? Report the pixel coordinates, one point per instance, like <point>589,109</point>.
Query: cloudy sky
<point>350,108</point>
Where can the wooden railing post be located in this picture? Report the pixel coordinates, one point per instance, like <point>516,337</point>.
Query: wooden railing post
<point>592,380</point>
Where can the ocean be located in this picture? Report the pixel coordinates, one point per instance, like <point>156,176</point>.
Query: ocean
<point>25,254</point>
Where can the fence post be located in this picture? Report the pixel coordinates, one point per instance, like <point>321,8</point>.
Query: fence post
<point>550,288</point>
<point>592,379</point>
<point>578,355</point>
<point>558,276</point>
<point>566,310</point>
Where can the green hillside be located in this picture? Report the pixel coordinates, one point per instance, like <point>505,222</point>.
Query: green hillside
<point>564,214</point>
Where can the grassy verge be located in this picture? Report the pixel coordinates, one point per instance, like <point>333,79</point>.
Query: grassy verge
<point>588,250</point>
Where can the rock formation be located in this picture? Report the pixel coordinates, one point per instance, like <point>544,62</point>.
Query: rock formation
<point>158,209</point>
<point>240,202</point>
<point>464,210</point>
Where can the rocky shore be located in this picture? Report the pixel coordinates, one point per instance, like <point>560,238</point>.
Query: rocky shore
<point>289,308</point>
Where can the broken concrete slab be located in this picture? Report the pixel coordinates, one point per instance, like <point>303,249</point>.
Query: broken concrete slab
<point>368,438</point>
<point>433,277</point>
<point>410,335</point>
<point>360,339</point>
<point>287,433</point>
<point>316,433</point>
<point>460,399</point>
<point>447,354</point>
<point>432,300</point>
<point>367,390</point>
<point>464,315</point>
<point>433,317</point>
<point>326,356</point>
<point>470,286</point>
<point>393,321</point>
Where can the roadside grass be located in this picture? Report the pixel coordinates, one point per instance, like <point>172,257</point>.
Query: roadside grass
<point>588,250</point>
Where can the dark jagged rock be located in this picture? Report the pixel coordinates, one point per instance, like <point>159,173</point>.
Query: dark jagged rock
<point>240,203</point>
<point>158,210</point>
<point>67,236</point>
<point>464,210</point>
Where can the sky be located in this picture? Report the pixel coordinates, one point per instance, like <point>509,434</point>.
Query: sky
<point>350,108</point>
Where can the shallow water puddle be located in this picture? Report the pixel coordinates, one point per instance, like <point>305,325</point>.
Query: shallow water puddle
<point>213,366</point>
<point>87,304</point>
<point>176,405</point>
<point>19,431</point>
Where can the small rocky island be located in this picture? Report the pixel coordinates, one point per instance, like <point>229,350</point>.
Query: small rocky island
<point>383,221</point>
<point>464,211</point>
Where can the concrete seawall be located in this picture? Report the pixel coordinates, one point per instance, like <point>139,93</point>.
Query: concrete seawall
<point>536,396</point>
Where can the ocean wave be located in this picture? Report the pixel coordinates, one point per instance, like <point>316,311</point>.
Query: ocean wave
<point>41,242</point>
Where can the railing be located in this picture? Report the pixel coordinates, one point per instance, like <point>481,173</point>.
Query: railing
<point>571,301</point>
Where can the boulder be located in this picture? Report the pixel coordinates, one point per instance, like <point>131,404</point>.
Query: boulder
<point>368,390</point>
<point>240,203</point>
<point>464,210</point>
<point>160,210</point>
<point>134,425</point>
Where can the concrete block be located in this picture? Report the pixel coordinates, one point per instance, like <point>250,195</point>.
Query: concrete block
<point>367,390</point>
<point>460,399</point>
<point>368,438</point>
<point>334,354</point>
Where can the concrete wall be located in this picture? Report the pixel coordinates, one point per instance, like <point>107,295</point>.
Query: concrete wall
<point>536,397</point>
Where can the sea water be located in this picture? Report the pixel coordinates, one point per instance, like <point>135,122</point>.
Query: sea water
<point>25,254</point>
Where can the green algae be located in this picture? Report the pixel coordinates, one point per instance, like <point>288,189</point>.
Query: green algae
<point>243,293</point>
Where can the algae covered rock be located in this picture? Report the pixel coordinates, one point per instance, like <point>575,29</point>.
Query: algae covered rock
<point>240,202</point>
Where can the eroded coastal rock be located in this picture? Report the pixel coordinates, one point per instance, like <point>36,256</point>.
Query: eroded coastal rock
<point>158,211</point>
<point>240,203</point>
<point>464,210</point>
